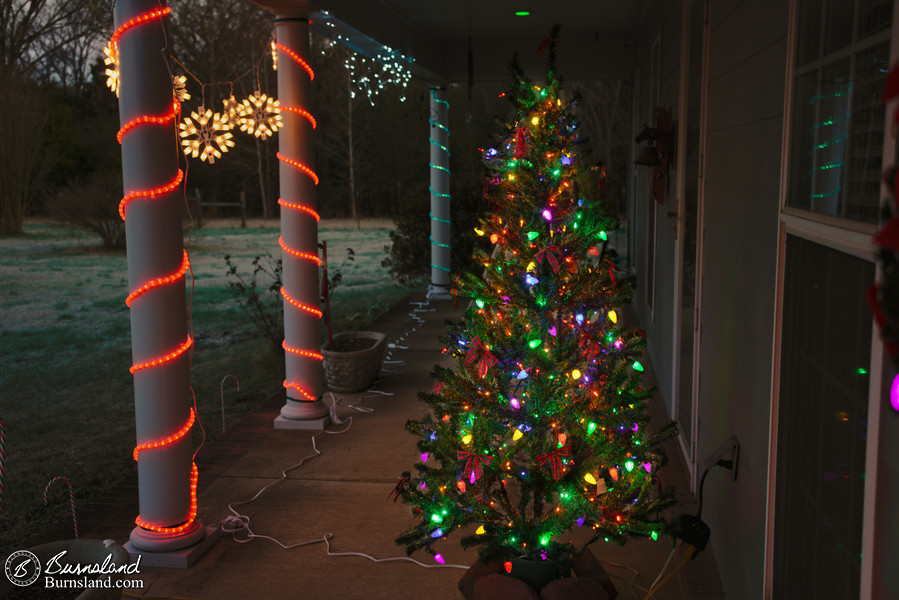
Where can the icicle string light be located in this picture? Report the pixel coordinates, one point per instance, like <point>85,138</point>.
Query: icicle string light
<point>299,167</point>
<point>185,264</point>
<point>167,117</point>
<point>168,440</point>
<point>301,255</point>
<point>71,499</point>
<point>297,59</point>
<point>171,186</point>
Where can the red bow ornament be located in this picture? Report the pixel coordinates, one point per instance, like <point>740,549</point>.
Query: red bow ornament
<point>474,464</point>
<point>398,488</point>
<point>520,147</point>
<point>552,254</point>
<point>481,354</point>
<point>554,459</point>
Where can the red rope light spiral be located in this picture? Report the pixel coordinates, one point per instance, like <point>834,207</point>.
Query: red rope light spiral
<point>299,167</point>
<point>162,190</point>
<point>303,307</point>
<point>185,265</point>
<point>302,112</point>
<point>301,255</point>
<point>296,387</point>
<point>307,353</point>
<point>168,117</point>
<point>301,208</point>
<point>297,59</point>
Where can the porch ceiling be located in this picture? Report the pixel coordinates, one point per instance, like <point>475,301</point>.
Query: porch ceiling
<point>596,39</point>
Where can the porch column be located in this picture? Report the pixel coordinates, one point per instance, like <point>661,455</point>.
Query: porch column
<point>304,408</point>
<point>160,340</point>
<point>440,196</point>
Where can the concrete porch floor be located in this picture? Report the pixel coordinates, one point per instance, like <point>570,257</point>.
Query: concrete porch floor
<point>344,492</point>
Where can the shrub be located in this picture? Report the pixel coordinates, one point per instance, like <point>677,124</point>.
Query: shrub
<point>92,205</point>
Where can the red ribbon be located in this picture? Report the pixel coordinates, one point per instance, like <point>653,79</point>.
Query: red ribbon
<point>438,386</point>
<point>552,254</point>
<point>611,272</point>
<point>554,459</point>
<point>485,361</point>
<point>520,148</point>
<point>474,463</point>
<point>398,488</point>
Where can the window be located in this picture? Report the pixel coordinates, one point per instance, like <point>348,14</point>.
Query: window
<point>842,60</point>
<point>822,428</point>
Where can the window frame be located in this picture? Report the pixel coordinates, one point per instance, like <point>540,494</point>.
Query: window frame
<point>851,237</point>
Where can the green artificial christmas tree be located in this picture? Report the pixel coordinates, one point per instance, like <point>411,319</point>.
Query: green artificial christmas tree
<point>543,425</point>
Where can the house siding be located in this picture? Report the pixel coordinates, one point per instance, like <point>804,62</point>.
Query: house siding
<point>745,105</point>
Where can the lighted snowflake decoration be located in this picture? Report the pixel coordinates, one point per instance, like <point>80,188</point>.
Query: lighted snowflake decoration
<point>205,135</point>
<point>230,108</point>
<point>111,60</point>
<point>259,115</point>
<point>180,86</point>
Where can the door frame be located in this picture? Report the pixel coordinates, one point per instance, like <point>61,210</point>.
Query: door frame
<point>689,450</point>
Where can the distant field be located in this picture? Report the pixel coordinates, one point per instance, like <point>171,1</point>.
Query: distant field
<point>66,394</point>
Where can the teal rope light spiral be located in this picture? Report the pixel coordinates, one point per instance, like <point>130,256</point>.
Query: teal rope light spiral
<point>439,168</point>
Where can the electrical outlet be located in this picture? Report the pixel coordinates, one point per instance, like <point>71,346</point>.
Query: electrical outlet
<point>728,451</point>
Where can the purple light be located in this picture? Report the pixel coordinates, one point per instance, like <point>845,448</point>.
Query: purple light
<point>552,330</point>
<point>531,280</point>
<point>433,435</point>
<point>473,478</point>
<point>421,486</point>
<point>580,522</point>
<point>618,344</point>
<point>522,374</point>
<point>635,427</point>
<point>515,403</point>
<point>648,467</point>
<point>439,558</point>
<point>547,215</point>
<point>894,393</point>
<point>424,457</point>
<point>437,533</point>
<point>566,160</point>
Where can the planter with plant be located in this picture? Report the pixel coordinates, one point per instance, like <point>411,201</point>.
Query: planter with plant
<point>352,360</point>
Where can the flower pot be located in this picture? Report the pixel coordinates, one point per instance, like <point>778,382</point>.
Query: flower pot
<point>353,370</point>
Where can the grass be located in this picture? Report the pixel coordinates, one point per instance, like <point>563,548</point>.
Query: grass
<point>65,348</point>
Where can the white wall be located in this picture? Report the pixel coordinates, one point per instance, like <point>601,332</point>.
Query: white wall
<point>747,64</point>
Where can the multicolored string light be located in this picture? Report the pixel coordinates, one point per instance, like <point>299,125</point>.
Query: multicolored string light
<point>71,499</point>
<point>164,119</point>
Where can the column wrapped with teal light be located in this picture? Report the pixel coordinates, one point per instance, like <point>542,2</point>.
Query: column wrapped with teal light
<point>440,196</point>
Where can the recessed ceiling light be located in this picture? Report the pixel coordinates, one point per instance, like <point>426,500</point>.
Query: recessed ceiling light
<point>522,13</point>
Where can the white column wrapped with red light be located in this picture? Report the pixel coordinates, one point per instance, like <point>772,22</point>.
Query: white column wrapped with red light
<point>440,195</point>
<point>157,261</point>
<point>299,230</point>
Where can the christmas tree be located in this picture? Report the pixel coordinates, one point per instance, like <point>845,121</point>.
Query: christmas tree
<point>543,425</point>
